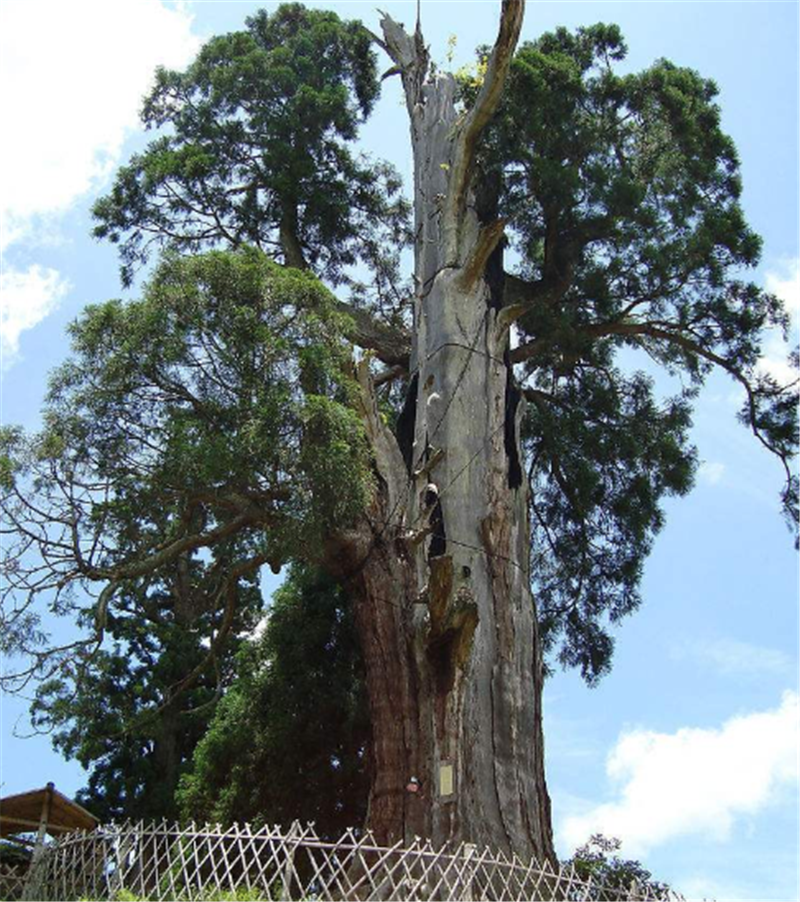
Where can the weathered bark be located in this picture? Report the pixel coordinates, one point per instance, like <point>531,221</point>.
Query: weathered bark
<point>374,563</point>
<point>439,569</point>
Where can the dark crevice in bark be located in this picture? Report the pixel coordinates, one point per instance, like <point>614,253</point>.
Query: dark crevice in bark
<point>487,193</point>
<point>513,397</point>
<point>438,546</point>
<point>440,653</point>
<point>406,421</point>
<point>453,621</point>
<point>495,277</point>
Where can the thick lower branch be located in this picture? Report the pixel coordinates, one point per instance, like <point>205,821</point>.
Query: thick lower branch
<point>390,344</point>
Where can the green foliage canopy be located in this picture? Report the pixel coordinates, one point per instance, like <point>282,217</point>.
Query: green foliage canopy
<point>300,690</point>
<point>216,417</point>
<point>121,715</point>
<point>258,151</point>
<point>180,448</point>
<point>594,861</point>
<point>622,196</point>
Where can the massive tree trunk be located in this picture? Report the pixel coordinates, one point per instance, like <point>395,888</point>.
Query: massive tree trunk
<point>439,571</point>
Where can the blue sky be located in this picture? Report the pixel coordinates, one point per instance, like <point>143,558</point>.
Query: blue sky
<point>687,751</point>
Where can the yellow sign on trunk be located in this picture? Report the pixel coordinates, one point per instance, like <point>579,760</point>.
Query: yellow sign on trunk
<point>445,779</point>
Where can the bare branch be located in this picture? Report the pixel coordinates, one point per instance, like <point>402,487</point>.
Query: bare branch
<point>391,344</point>
<point>461,173</point>
<point>135,569</point>
<point>395,372</point>
<point>410,56</point>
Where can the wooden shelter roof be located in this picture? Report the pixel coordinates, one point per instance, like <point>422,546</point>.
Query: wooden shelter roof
<point>22,813</point>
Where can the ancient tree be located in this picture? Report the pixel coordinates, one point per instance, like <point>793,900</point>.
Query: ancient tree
<point>474,460</point>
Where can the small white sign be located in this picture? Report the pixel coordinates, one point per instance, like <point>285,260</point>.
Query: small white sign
<point>445,778</point>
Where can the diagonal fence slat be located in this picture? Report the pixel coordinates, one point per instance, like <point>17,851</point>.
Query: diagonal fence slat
<point>197,863</point>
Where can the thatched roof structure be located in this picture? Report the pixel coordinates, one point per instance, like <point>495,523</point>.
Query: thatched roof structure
<point>27,812</point>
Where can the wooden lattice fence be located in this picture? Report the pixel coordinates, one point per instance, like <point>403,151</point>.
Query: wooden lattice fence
<point>12,880</point>
<point>164,861</point>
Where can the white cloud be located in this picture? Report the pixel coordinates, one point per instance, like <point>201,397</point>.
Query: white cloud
<point>693,781</point>
<point>774,361</point>
<point>730,657</point>
<point>256,633</point>
<point>26,298</point>
<point>710,472</point>
<point>72,79</point>
<point>701,888</point>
